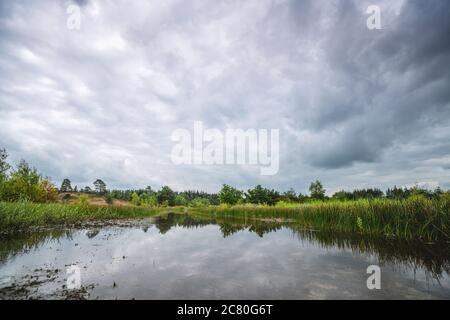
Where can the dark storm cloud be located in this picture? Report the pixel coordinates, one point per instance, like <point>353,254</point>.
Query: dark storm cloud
<point>394,84</point>
<point>355,107</point>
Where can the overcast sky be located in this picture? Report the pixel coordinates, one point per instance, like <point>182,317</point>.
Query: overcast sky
<point>355,107</point>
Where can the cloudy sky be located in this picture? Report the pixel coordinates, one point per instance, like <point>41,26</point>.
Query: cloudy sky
<point>355,107</point>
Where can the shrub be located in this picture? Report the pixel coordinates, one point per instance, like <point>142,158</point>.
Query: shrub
<point>83,200</point>
<point>200,203</point>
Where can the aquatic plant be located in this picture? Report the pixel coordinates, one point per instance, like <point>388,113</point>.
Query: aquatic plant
<point>417,217</point>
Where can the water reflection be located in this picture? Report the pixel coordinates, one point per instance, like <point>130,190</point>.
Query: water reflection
<point>184,256</point>
<point>435,258</point>
<point>16,243</point>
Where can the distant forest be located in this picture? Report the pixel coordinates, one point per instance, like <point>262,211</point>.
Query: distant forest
<point>24,182</point>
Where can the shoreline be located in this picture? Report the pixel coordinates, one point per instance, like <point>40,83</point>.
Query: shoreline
<point>416,218</point>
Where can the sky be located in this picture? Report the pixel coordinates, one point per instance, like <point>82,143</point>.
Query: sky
<point>355,107</point>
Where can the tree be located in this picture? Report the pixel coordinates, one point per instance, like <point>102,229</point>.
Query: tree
<point>398,193</point>
<point>4,166</point>
<point>66,186</point>
<point>289,196</point>
<point>317,191</point>
<point>272,197</point>
<point>135,199</point>
<point>260,195</point>
<point>301,197</point>
<point>166,196</point>
<point>180,200</point>
<point>100,186</point>
<point>438,192</point>
<point>229,195</point>
<point>47,192</point>
<point>367,193</point>
<point>257,195</point>
<point>343,195</point>
<point>108,198</point>
<point>149,199</point>
<point>25,183</point>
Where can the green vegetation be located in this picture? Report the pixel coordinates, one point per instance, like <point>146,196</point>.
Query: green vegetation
<point>317,190</point>
<point>200,203</point>
<point>166,196</point>
<point>24,183</point>
<point>260,195</point>
<point>230,195</point>
<point>100,186</point>
<point>26,199</point>
<point>66,186</point>
<point>414,218</point>
<point>23,214</point>
<point>415,253</point>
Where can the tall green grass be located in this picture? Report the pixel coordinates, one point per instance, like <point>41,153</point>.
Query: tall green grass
<point>16,215</point>
<point>414,218</point>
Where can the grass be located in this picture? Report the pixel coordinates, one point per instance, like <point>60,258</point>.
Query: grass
<point>17,215</point>
<point>414,218</point>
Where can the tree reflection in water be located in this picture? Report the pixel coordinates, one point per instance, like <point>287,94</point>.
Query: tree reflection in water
<point>434,258</point>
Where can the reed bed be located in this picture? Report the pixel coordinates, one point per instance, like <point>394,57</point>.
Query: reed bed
<point>417,217</point>
<point>17,215</point>
<point>413,218</point>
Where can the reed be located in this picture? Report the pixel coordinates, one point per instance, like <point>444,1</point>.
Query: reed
<point>414,218</point>
<point>17,215</point>
<point>417,217</point>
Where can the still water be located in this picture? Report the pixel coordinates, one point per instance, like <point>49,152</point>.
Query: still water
<point>181,257</point>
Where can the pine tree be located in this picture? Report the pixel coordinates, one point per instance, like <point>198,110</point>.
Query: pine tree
<point>65,186</point>
<point>100,186</point>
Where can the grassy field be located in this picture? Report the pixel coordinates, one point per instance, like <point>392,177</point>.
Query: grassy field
<point>414,218</point>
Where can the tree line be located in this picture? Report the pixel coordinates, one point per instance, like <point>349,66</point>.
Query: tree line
<point>23,182</point>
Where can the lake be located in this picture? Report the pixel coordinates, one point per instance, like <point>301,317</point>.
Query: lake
<point>184,257</point>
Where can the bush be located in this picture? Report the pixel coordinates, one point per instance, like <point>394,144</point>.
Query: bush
<point>25,183</point>
<point>230,195</point>
<point>149,200</point>
<point>83,200</point>
<point>109,199</point>
<point>66,197</point>
<point>166,195</point>
<point>180,200</point>
<point>135,199</point>
<point>200,203</point>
